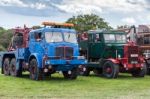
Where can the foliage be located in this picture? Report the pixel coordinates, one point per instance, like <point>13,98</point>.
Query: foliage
<point>88,22</point>
<point>36,27</point>
<point>123,27</point>
<point>5,38</point>
<point>82,23</point>
<point>2,48</point>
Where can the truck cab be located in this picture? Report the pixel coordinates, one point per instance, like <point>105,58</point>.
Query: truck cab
<point>106,42</point>
<point>108,53</point>
<point>44,51</point>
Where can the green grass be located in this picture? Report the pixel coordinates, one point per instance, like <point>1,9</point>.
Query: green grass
<point>92,87</point>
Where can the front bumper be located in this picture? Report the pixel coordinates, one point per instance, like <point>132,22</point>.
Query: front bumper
<point>65,62</point>
<point>64,65</point>
<point>132,66</point>
<point>128,65</point>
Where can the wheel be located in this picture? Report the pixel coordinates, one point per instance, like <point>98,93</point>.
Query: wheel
<point>110,69</point>
<point>84,71</point>
<point>140,72</point>
<point>97,71</point>
<point>36,73</point>
<point>6,66</point>
<point>147,68</point>
<point>13,70</point>
<point>72,75</point>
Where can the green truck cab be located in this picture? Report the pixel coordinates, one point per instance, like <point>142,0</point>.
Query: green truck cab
<point>109,53</point>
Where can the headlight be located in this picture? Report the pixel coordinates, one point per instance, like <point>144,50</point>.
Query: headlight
<point>80,57</point>
<point>119,56</point>
<point>146,55</point>
<point>80,48</point>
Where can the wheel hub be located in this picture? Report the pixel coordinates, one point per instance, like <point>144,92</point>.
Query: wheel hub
<point>6,67</point>
<point>108,70</point>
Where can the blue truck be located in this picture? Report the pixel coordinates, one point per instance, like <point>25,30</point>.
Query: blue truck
<point>42,52</point>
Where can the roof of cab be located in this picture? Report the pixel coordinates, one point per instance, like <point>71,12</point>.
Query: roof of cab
<point>46,29</point>
<point>105,31</point>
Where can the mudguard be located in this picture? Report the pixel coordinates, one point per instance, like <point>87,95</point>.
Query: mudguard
<point>38,57</point>
<point>113,60</point>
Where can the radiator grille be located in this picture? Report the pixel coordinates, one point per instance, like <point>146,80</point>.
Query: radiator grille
<point>133,54</point>
<point>64,52</point>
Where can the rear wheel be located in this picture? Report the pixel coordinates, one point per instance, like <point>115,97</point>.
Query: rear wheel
<point>140,72</point>
<point>84,71</point>
<point>6,66</point>
<point>110,69</point>
<point>36,73</point>
<point>13,69</point>
<point>70,75</point>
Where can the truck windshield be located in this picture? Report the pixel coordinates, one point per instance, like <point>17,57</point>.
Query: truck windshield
<point>115,38</point>
<point>53,37</point>
<point>70,37</point>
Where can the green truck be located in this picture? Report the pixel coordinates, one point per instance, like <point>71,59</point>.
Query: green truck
<point>108,53</point>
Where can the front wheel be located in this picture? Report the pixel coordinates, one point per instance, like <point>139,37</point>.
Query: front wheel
<point>36,73</point>
<point>148,68</point>
<point>140,72</point>
<point>110,69</point>
<point>70,74</point>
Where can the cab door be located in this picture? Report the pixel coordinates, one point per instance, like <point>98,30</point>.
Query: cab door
<point>96,45</point>
<point>36,43</point>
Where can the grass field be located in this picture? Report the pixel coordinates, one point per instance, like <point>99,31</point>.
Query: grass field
<point>92,87</point>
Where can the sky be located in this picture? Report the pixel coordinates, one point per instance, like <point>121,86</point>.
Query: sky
<point>15,13</point>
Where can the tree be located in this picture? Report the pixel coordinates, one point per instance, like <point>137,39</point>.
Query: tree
<point>88,22</point>
<point>36,27</point>
<point>5,38</point>
<point>123,27</point>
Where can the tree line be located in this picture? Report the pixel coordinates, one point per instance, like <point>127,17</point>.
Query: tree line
<point>82,23</point>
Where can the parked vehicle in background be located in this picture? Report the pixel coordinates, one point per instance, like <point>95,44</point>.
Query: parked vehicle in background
<point>108,53</point>
<point>141,36</point>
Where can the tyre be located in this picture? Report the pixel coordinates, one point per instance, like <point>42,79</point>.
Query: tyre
<point>6,67</point>
<point>72,75</point>
<point>141,72</point>
<point>84,71</point>
<point>36,73</point>
<point>110,69</point>
<point>148,69</point>
<point>13,69</point>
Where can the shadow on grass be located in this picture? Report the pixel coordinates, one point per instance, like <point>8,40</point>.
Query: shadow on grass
<point>49,78</point>
<point>57,78</point>
<point>121,76</point>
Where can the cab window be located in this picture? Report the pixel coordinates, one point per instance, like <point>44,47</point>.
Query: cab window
<point>91,37</point>
<point>97,38</point>
<point>38,36</point>
<point>17,40</point>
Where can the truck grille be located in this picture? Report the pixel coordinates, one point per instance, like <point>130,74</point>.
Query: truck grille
<point>64,52</point>
<point>133,53</point>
